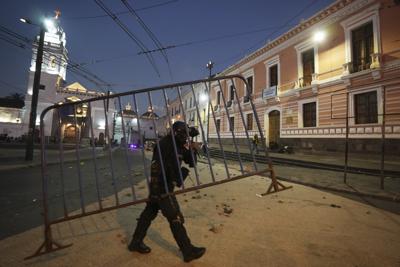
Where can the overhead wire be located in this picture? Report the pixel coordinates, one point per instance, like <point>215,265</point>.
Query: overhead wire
<point>101,60</point>
<point>265,39</point>
<point>10,41</point>
<point>215,38</point>
<point>12,86</point>
<point>73,67</point>
<point>152,36</point>
<point>132,36</point>
<point>123,12</point>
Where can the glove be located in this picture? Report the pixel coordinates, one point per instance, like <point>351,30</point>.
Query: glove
<point>185,173</point>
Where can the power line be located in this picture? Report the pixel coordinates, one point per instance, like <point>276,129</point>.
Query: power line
<point>152,36</point>
<point>72,67</point>
<point>211,39</point>
<point>10,41</point>
<point>129,33</point>
<point>286,24</point>
<point>124,12</point>
<point>226,36</point>
<point>12,86</point>
<point>14,34</point>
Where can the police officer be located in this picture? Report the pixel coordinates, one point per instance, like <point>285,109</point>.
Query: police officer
<point>167,203</point>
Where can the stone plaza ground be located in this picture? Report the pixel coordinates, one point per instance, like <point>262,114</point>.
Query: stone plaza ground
<point>301,226</point>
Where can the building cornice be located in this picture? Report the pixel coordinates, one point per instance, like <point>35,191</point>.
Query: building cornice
<point>329,15</point>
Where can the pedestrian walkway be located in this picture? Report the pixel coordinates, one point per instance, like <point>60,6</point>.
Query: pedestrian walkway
<point>297,227</point>
<point>358,184</point>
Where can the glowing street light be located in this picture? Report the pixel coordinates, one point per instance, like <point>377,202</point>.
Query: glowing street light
<point>209,66</point>
<point>319,36</point>
<point>203,97</point>
<point>24,20</point>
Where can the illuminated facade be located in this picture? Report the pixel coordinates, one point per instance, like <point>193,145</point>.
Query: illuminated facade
<point>344,60</point>
<point>55,90</point>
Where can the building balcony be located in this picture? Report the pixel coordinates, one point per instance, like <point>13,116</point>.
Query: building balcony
<point>373,62</point>
<point>307,80</point>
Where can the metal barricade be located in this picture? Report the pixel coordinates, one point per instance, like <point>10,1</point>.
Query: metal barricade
<point>100,173</point>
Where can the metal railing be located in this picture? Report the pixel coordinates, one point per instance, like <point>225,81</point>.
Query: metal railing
<point>98,184</point>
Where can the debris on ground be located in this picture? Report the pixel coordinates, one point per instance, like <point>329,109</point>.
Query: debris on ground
<point>196,197</point>
<point>280,201</point>
<point>216,228</point>
<point>335,206</point>
<point>228,210</point>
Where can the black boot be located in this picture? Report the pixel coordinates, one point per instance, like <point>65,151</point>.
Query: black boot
<point>139,247</point>
<point>195,253</point>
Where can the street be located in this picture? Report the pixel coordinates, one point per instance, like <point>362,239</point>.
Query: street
<point>21,189</point>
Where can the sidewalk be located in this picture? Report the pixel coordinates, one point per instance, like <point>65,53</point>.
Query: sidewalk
<point>357,184</point>
<point>297,227</point>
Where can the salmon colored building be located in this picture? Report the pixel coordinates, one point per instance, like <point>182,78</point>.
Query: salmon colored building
<point>342,62</point>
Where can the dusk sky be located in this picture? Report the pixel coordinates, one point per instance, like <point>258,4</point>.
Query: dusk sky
<point>221,31</point>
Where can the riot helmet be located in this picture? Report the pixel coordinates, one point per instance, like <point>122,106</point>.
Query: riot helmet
<point>180,129</point>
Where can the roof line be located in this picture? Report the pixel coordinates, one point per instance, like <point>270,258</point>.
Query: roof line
<point>302,26</point>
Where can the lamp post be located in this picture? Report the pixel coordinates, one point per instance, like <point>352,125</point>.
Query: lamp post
<point>209,66</point>
<point>35,91</point>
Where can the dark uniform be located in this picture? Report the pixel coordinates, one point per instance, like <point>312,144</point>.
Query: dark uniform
<point>167,203</point>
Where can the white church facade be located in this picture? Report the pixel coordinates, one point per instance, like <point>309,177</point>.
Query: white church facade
<point>59,123</point>
<point>67,123</point>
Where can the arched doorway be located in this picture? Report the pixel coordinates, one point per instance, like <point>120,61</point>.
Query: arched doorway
<point>274,118</point>
<point>70,133</point>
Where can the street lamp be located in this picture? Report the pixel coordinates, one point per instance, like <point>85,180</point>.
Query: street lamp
<point>203,97</point>
<point>35,91</point>
<point>209,66</point>
<point>319,36</point>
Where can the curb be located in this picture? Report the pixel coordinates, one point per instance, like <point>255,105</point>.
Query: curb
<point>386,198</point>
<point>395,198</point>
